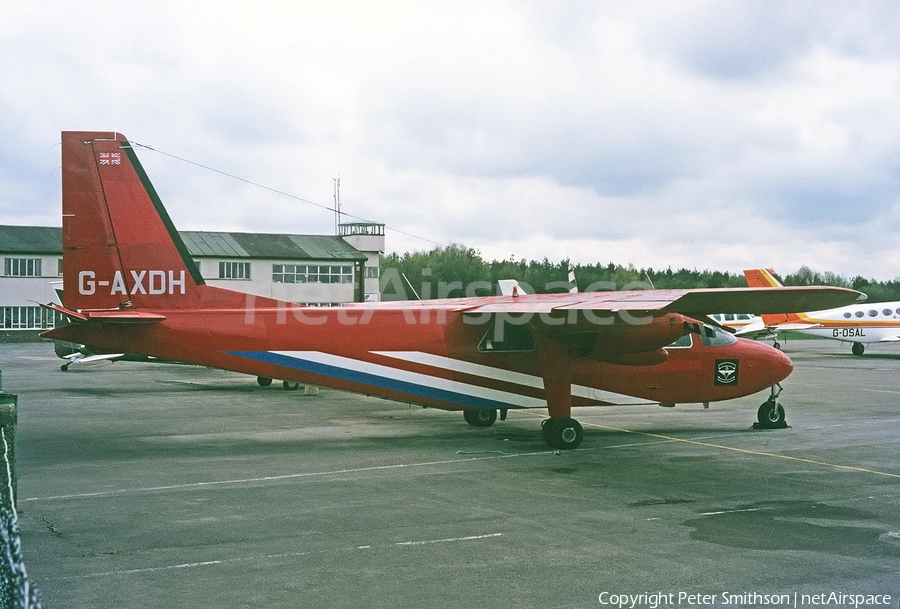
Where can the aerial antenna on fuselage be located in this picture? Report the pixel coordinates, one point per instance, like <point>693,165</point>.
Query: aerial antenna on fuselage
<point>409,283</point>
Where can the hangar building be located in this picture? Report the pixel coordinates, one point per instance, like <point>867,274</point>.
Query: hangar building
<point>316,270</point>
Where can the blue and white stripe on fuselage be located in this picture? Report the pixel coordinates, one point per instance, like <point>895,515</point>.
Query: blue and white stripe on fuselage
<point>428,386</point>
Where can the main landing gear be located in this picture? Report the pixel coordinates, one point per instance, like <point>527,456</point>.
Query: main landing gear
<point>265,381</point>
<point>560,430</point>
<point>481,417</point>
<point>771,413</point>
<point>858,348</point>
<point>564,433</point>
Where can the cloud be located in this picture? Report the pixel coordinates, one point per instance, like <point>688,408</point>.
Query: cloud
<point>715,135</point>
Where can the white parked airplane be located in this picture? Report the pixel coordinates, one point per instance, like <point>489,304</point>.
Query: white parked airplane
<point>858,324</point>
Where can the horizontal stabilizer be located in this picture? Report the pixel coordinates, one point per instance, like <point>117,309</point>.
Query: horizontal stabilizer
<point>125,317</point>
<point>73,315</point>
<point>794,326</point>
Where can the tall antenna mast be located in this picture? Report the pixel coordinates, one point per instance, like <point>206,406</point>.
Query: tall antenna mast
<point>337,204</point>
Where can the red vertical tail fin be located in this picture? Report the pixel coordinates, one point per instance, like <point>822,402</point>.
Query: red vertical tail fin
<point>120,248</point>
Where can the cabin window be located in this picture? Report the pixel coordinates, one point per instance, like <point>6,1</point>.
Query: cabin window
<point>859,314</point>
<point>506,337</point>
<point>873,313</point>
<point>848,315</point>
<point>886,312</point>
<point>743,317</point>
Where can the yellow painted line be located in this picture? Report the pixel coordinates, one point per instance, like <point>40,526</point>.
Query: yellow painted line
<point>738,450</point>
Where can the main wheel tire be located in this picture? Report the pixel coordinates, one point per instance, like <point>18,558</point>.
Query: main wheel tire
<point>858,348</point>
<point>264,381</point>
<point>566,434</point>
<point>546,429</point>
<point>771,415</point>
<point>290,385</point>
<point>480,417</point>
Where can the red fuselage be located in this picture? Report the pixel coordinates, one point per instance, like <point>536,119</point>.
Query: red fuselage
<point>427,355</point>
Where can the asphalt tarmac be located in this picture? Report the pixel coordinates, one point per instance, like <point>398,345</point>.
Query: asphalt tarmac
<point>153,485</point>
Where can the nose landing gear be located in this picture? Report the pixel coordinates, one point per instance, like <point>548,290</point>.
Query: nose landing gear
<point>771,413</point>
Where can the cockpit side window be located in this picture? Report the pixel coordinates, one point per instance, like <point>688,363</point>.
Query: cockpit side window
<point>721,338</point>
<point>683,342</point>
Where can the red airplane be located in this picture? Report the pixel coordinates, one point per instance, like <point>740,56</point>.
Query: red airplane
<point>130,286</point>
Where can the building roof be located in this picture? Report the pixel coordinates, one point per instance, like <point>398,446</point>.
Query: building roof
<point>200,244</point>
<point>269,246</point>
<point>31,240</point>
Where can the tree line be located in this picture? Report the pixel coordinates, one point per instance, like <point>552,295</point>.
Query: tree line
<point>456,270</point>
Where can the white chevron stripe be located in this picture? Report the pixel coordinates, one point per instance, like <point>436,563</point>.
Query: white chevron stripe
<point>346,363</point>
<point>510,376</point>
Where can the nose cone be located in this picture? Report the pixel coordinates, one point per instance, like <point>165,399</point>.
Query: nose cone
<point>769,364</point>
<point>783,367</point>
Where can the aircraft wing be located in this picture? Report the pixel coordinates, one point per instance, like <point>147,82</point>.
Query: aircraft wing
<point>693,303</point>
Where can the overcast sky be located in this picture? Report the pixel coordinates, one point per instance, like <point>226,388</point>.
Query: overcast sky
<point>708,135</point>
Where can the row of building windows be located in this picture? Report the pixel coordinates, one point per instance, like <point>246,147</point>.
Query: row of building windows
<point>26,267</point>
<point>296,273</point>
<point>25,318</point>
<point>234,270</point>
<point>281,273</point>
<point>311,273</point>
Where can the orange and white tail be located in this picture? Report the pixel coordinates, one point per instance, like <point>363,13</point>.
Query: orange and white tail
<point>765,278</point>
<point>120,249</point>
<point>762,278</point>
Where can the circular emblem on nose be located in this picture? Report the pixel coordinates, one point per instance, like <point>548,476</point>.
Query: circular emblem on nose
<point>726,372</point>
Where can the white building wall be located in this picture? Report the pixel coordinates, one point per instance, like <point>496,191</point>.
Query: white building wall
<point>261,283</point>
<point>28,291</point>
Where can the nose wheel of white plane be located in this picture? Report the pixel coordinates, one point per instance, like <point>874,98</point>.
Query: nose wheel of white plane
<point>771,413</point>
<point>857,348</point>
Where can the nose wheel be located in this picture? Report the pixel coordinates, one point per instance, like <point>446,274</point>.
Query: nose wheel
<point>771,413</point>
